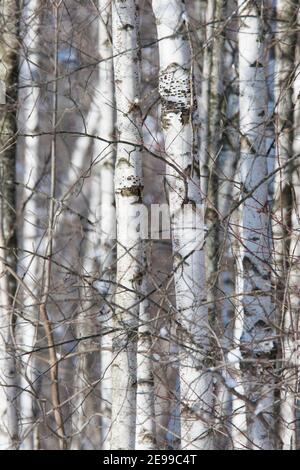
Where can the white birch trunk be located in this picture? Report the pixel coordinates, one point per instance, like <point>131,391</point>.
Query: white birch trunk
<point>286,216</point>
<point>83,164</point>
<point>8,373</point>
<point>107,212</point>
<point>229,195</point>
<point>145,400</point>
<point>228,192</point>
<point>239,426</point>
<point>99,249</point>
<point>29,238</point>
<point>176,91</point>
<point>255,251</point>
<point>128,191</point>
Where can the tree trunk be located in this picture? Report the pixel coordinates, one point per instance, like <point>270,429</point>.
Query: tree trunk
<point>285,220</point>
<point>99,248</point>
<point>8,79</point>
<point>107,258</point>
<point>84,403</point>
<point>228,191</point>
<point>128,192</point>
<point>85,421</point>
<point>29,238</point>
<point>205,94</point>
<point>257,344</point>
<point>212,149</point>
<point>295,245</point>
<point>239,435</point>
<point>145,401</point>
<point>178,111</point>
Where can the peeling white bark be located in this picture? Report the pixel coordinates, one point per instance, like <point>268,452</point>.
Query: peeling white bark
<point>176,91</point>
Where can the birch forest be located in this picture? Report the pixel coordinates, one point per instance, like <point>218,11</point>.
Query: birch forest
<point>149,225</point>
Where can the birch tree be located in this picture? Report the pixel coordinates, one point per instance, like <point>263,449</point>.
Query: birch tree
<point>205,93</point>
<point>228,192</point>
<point>8,79</point>
<point>178,108</point>
<point>128,192</point>
<point>85,422</point>
<point>107,258</point>
<point>238,419</point>
<point>285,215</point>
<point>145,406</point>
<point>211,147</point>
<point>256,339</point>
<point>29,238</point>
<point>85,162</point>
<point>295,254</point>
<point>99,248</point>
